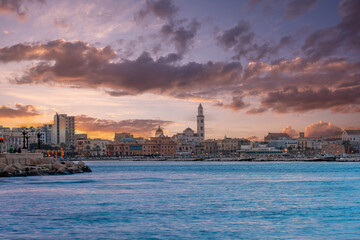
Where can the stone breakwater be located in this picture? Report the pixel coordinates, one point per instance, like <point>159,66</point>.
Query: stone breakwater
<point>32,164</point>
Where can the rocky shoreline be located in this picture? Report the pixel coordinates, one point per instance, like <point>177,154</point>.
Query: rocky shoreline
<point>30,164</point>
<point>19,170</point>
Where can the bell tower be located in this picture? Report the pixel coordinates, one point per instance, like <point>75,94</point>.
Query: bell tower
<point>201,123</point>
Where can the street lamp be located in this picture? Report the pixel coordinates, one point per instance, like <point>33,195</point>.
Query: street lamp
<point>24,133</point>
<point>27,142</point>
<point>39,141</point>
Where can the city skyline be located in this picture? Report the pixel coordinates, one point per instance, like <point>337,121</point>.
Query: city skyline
<point>255,66</point>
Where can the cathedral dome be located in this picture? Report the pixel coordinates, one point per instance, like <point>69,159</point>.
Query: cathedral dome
<point>159,132</point>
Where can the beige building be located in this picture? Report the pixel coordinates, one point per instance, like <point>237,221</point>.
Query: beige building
<point>63,130</point>
<point>91,147</point>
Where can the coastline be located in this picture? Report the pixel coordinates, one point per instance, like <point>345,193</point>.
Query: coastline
<point>219,159</point>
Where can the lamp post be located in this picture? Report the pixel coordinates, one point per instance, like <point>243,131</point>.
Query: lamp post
<point>39,141</point>
<point>24,136</point>
<point>27,142</point>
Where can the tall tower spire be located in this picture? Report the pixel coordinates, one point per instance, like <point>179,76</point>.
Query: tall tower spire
<point>201,123</point>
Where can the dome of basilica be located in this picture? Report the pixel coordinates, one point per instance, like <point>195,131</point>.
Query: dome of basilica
<point>159,132</point>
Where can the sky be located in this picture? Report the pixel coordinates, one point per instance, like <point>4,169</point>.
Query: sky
<point>256,66</point>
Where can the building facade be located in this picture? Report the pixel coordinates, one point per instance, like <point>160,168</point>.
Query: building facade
<point>63,130</point>
<point>201,123</point>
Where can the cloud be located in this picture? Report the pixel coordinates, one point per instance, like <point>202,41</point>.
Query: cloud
<point>20,111</point>
<point>78,64</point>
<point>321,129</point>
<point>284,86</point>
<point>256,110</point>
<point>182,37</point>
<point>252,138</point>
<point>236,104</point>
<point>296,8</point>
<point>300,85</point>
<point>16,7</point>
<point>61,23</point>
<point>143,127</point>
<point>293,100</point>
<point>173,30</point>
<point>243,41</point>
<point>163,9</point>
<point>344,36</point>
<point>293,8</point>
<point>290,131</point>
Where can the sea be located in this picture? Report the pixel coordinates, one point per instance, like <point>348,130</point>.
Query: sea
<point>186,200</point>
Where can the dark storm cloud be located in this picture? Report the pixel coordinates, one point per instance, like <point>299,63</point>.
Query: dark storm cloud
<point>19,111</point>
<point>293,100</point>
<point>136,126</point>
<point>244,42</point>
<point>344,36</point>
<point>78,64</point>
<point>297,8</point>
<point>182,37</point>
<point>296,85</point>
<point>16,7</point>
<point>163,9</point>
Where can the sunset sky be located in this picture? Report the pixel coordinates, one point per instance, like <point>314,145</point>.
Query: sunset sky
<point>256,66</point>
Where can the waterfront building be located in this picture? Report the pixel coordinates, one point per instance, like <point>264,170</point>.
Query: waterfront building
<point>351,139</point>
<point>63,130</point>
<point>188,135</point>
<point>124,147</point>
<point>185,148</point>
<point>351,135</point>
<point>230,145</point>
<point>209,147</point>
<point>91,147</point>
<point>333,147</point>
<point>189,142</point>
<point>162,145</point>
<point>276,136</point>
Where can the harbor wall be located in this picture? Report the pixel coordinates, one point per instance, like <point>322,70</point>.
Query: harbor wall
<point>25,158</point>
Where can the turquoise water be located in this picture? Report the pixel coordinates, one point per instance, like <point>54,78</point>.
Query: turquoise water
<point>186,200</point>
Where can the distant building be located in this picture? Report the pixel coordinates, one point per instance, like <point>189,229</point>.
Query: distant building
<point>46,132</point>
<point>163,146</point>
<point>201,123</point>
<point>351,135</point>
<point>188,135</point>
<point>127,146</point>
<point>276,136</point>
<point>79,136</point>
<point>91,147</point>
<point>159,145</point>
<point>159,132</point>
<point>209,147</point>
<point>63,130</point>
<point>119,136</point>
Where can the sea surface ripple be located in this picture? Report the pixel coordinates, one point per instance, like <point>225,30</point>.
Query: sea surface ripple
<point>184,200</point>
